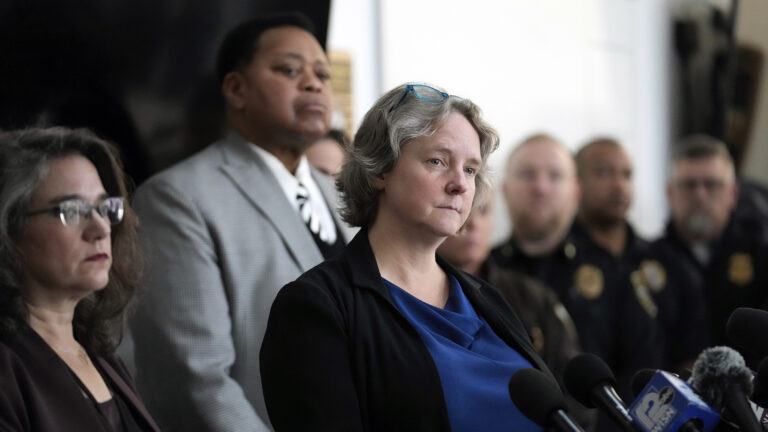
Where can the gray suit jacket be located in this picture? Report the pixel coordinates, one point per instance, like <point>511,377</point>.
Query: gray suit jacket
<point>220,239</point>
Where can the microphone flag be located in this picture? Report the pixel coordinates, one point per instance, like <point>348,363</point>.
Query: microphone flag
<point>667,402</point>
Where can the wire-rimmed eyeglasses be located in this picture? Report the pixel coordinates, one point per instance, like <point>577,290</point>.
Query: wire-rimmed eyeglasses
<point>423,92</point>
<point>70,211</point>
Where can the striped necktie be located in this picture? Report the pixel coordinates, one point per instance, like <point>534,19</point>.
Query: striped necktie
<point>307,215</point>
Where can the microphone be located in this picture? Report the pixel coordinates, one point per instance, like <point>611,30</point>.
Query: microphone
<point>539,398</point>
<point>745,329</point>
<point>640,379</point>
<point>591,382</point>
<point>760,384</point>
<point>723,381</point>
<point>666,403</point>
<point>759,398</point>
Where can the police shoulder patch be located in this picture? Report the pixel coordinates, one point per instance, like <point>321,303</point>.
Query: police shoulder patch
<point>740,268</point>
<point>654,275</point>
<point>588,280</point>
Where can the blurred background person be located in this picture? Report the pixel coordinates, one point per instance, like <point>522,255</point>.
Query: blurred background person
<point>68,271</point>
<point>605,176</point>
<point>327,155</point>
<point>542,194</point>
<point>605,181</point>
<point>226,228</point>
<point>727,254</point>
<point>399,339</point>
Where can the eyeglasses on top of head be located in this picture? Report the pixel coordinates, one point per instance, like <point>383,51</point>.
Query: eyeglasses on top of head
<point>423,92</point>
<point>70,211</point>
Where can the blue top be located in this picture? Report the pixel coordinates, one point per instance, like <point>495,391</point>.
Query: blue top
<point>473,362</point>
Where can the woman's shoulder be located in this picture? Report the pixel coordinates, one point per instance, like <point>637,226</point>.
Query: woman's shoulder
<point>13,374</point>
<point>15,365</point>
<point>328,273</point>
<point>7,353</point>
<point>325,282</point>
<point>321,280</point>
<point>15,347</point>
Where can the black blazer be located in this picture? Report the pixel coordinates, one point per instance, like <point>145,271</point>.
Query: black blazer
<point>38,392</point>
<point>339,356</point>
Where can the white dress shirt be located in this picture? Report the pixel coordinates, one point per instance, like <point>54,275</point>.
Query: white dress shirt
<point>290,185</point>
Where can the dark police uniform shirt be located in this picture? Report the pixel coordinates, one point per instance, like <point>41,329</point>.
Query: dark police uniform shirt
<point>753,201</point>
<point>609,319</point>
<point>670,294</point>
<point>736,274</point>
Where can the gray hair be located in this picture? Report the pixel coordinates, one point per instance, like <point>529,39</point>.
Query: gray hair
<point>701,146</point>
<point>395,120</point>
<point>25,157</point>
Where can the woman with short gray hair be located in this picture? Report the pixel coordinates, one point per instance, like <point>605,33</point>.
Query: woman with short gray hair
<point>388,336</point>
<point>395,120</point>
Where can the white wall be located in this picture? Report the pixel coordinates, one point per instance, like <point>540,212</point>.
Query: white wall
<point>752,27</point>
<point>573,68</point>
<point>353,27</point>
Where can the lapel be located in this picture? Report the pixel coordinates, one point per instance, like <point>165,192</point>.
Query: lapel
<point>362,266</point>
<point>127,393</point>
<point>333,201</point>
<point>254,180</point>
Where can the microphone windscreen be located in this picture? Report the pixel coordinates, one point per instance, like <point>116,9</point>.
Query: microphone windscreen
<point>715,370</point>
<point>746,329</point>
<point>640,380</point>
<point>583,374</point>
<point>535,395</point>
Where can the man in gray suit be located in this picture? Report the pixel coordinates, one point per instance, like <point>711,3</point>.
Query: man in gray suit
<point>224,230</point>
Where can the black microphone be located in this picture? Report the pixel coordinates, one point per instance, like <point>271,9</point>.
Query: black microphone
<point>760,384</point>
<point>746,329</point>
<point>722,379</point>
<point>539,398</point>
<point>591,382</point>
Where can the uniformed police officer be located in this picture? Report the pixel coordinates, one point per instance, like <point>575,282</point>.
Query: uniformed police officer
<point>665,292</point>
<point>542,197</point>
<point>727,248</point>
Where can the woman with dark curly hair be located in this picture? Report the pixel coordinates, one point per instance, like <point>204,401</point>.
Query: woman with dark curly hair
<point>68,271</point>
